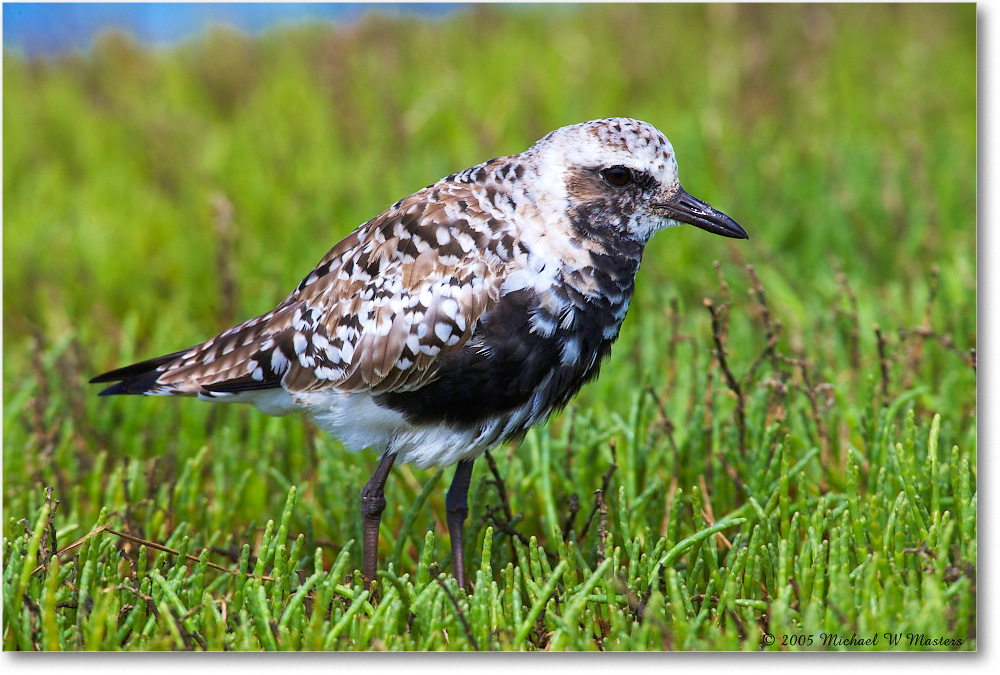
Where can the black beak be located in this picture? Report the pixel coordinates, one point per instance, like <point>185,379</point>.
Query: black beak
<point>684,208</point>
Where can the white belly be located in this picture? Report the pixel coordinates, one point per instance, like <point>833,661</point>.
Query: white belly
<point>359,423</point>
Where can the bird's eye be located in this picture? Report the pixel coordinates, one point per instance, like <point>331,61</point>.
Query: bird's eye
<point>617,176</point>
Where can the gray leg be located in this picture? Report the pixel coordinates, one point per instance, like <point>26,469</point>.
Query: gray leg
<point>372,505</point>
<point>456,506</point>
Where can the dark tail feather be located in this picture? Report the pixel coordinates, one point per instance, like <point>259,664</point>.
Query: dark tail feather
<point>138,378</point>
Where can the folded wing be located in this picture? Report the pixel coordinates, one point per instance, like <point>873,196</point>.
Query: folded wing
<point>376,314</point>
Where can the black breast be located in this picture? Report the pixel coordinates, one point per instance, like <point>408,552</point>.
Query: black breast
<point>505,364</point>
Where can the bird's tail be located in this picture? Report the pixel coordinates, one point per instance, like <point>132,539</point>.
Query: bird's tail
<point>138,378</point>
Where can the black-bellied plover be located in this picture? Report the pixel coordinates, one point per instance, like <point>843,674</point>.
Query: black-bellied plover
<point>460,317</point>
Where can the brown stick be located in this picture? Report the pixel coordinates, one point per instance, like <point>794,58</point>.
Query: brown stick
<point>718,334</point>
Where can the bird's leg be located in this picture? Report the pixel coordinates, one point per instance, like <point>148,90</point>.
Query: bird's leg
<point>456,506</point>
<point>372,505</point>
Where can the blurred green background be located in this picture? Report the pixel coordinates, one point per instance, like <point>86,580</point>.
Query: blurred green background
<point>824,141</point>
<point>153,197</point>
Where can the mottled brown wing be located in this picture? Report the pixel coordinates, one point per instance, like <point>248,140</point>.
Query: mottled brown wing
<point>375,314</point>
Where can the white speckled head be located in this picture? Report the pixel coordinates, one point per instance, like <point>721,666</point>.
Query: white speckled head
<point>616,141</point>
<point>574,163</point>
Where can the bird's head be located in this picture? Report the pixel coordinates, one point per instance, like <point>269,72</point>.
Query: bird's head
<point>621,173</point>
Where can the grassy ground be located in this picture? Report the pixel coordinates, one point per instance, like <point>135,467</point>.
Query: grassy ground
<point>780,454</point>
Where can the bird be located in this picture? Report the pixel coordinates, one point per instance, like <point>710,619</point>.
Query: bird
<point>460,317</point>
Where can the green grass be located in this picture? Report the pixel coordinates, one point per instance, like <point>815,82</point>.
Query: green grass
<point>817,479</point>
